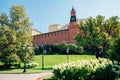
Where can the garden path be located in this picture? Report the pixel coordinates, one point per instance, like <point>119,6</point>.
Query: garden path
<point>33,76</point>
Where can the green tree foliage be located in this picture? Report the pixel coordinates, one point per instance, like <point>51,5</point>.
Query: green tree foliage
<point>112,26</point>
<point>115,51</point>
<point>14,33</point>
<point>112,29</point>
<point>98,32</point>
<point>58,48</point>
<point>61,48</point>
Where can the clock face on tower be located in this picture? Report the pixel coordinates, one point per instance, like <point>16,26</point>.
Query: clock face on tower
<point>73,19</point>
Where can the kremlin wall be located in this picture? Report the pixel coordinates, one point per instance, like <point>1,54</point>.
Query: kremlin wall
<point>63,35</point>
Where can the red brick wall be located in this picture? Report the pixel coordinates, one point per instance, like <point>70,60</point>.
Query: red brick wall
<point>66,35</point>
<point>51,38</point>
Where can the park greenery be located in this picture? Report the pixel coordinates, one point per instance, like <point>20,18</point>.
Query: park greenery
<point>15,33</point>
<point>59,48</point>
<point>115,50</point>
<point>49,62</point>
<point>98,35</point>
<point>97,69</point>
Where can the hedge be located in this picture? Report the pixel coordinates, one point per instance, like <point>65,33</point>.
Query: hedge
<point>99,69</point>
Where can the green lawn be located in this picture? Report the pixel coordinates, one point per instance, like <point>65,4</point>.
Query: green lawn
<point>49,62</point>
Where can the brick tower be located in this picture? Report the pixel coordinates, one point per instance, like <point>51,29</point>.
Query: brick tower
<point>66,35</point>
<point>73,26</point>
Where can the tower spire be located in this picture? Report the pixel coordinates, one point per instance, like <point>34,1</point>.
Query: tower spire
<point>73,8</point>
<point>73,15</point>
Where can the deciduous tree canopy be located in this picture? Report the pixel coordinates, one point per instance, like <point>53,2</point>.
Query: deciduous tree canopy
<point>15,32</point>
<point>98,33</point>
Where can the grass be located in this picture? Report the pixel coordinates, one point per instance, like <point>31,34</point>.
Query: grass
<point>49,62</point>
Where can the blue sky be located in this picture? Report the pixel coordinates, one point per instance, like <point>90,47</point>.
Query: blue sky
<point>43,13</point>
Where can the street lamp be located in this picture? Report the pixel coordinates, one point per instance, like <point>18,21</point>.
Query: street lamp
<point>25,48</point>
<point>67,54</point>
<point>44,51</point>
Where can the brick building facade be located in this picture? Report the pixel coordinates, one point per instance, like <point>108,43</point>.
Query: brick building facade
<point>65,35</point>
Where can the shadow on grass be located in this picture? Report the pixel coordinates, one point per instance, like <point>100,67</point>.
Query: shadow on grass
<point>37,69</point>
<point>8,69</point>
<point>20,70</point>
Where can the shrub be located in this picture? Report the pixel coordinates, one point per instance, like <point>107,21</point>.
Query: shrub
<point>107,73</point>
<point>116,67</point>
<point>32,65</point>
<point>84,70</point>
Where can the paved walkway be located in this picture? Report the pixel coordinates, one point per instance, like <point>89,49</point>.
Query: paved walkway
<point>34,76</point>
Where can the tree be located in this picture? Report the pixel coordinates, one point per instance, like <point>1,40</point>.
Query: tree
<point>90,33</point>
<point>112,29</point>
<point>112,26</point>
<point>98,32</point>
<point>115,51</point>
<point>14,33</point>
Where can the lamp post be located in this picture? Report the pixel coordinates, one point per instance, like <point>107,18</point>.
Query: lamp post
<point>67,54</point>
<point>44,51</point>
<point>24,48</point>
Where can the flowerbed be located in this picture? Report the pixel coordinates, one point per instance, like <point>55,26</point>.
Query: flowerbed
<point>99,69</point>
<point>32,65</point>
